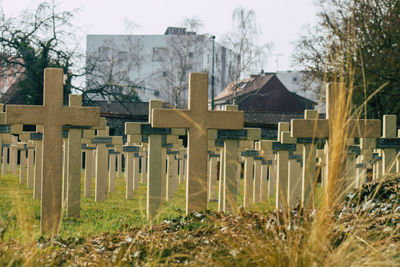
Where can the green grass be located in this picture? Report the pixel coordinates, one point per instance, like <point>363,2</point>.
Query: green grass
<point>20,213</point>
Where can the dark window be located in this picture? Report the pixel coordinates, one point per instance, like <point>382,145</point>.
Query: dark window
<point>159,54</point>
<point>122,56</point>
<point>190,54</point>
<point>104,53</point>
<point>165,74</point>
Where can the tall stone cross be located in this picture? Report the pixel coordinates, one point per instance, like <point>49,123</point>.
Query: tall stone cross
<point>325,128</point>
<point>53,115</point>
<point>156,179</point>
<point>198,119</point>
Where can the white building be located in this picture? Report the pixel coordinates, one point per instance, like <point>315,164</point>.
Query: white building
<point>157,66</point>
<point>297,82</point>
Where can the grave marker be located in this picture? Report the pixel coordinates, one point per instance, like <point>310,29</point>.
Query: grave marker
<point>156,179</point>
<point>52,115</point>
<point>390,151</point>
<point>37,184</point>
<point>323,128</point>
<point>21,147</point>
<point>31,164</point>
<point>198,119</point>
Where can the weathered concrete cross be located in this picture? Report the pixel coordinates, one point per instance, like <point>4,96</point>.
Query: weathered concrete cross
<point>52,115</point>
<point>197,119</point>
<point>325,128</point>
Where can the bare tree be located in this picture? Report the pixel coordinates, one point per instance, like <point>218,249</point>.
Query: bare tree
<point>108,71</point>
<point>33,41</point>
<point>183,51</point>
<point>361,39</point>
<point>242,40</point>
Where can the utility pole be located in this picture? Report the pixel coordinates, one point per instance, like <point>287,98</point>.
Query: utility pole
<point>277,60</point>
<point>212,73</point>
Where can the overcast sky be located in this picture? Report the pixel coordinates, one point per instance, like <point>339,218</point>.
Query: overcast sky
<point>280,21</point>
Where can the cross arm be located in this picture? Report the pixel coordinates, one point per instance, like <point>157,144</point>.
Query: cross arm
<point>24,114</point>
<point>219,119</point>
<point>80,116</point>
<point>320,128</point>
<point>365,128</point>
<point>171,118</point>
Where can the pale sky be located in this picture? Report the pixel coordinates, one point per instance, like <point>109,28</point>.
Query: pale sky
<point>280,21</point>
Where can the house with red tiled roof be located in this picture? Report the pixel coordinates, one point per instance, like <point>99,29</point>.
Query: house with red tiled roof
<point>262,93</point>
<point>265,101</point>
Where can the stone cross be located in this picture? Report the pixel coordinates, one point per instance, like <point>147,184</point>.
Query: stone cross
<point>111,176</point>
<point>294,174</point>
<point>24,139</point>
<point>352,153</point>
<point>172,166</point>
<point>323,128</point>
<point>15,130</point>
<point>388,144</point>
<point>182,165</point>
<point>212,178</point>
<point>248,176</point>
<point>53,115</point>
<point>172,173</point>
<point>31,164</point>
<point>309,163</point>
<point>22,148</point>
<point>231,145</point>
<point>156,179</point>
<point>198,119</point>
<point>130,167</point>
<point>89,161</point>
<point>37,139</point>
<point>101,140</point>
<point>143,163</point>
<point>265,147</point>
<point>74,164</point>
<point>283,147</point>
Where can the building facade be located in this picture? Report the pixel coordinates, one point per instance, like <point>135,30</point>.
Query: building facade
<point>157,66</point>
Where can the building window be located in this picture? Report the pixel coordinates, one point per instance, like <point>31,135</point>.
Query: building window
<point>159,54</point>
<point>190,54</point>
<point>122,56</point>
<point>104,53</point>
<point>165,74</point>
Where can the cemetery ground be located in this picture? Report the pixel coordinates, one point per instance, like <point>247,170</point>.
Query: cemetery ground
<point>115,232</point>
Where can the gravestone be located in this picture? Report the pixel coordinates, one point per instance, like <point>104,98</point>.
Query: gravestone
<point>212,178</point>
<point>31,164</point>
<point>325,128</point>
<point>283,146</point>
<point>156,179</point>
<point>52,115</point>
<point>37,139</point>
<point>172,174</point>
<point>74,163</point>
<point>390,149</point>
<point>101,140</point>
<point>352,152</point>
<point>111,172</point>
<point>265,147</point>
<point>87,135</point>
<point>21,147</point>
<point>197,119</point>
<point>130,151</point>
<point>115,148</point>
<point>248,176</point>
<point>14,155</point>
<point>231,146</point>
